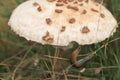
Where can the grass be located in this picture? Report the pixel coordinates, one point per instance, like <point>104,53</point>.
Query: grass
<point>23,60</point>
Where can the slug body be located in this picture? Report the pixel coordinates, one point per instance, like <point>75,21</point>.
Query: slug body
<point>80,62</point>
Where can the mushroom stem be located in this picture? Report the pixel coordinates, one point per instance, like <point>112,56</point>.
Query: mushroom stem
<point>57,62</point>
<point>79,63</point>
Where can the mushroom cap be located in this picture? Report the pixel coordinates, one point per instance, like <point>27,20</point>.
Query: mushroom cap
<point>59,22</point>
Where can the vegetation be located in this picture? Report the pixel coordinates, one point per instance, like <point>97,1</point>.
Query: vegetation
<point>25,60</point>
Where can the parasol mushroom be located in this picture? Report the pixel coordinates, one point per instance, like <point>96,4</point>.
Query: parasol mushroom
<point>59,22</point>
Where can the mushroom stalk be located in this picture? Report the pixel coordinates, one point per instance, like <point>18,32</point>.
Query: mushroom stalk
<point>57,62</point>
<point>79,63</point>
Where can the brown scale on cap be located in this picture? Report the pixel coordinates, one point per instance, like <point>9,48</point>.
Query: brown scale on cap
<point>65,1</point>
<point>75,2</point>
<point>35,4</point>
<point>39,9</point>
<point>48,21</point>
<point>73,7</point>
<point>80,0</point>
<point>58,11</point>
<point>59,4</point>
<point>86,1</point>
<point>70,0</point>
<point>84,12</point>
<point>85,29</point>
<point>51,0</point>
<point>81,4</point>
<point>94,10</point>
<point>59,0</point>
<point>72,20</point>
<point>102,15</point>
<point>48,38</point>
<point>63,29</point>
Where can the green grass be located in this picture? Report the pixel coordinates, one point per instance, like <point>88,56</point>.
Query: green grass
<point>25,60</point>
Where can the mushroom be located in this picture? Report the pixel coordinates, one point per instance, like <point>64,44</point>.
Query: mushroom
<point>59,22</point>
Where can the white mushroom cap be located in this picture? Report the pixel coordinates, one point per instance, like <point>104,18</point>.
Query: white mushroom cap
<point>59,22</point>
